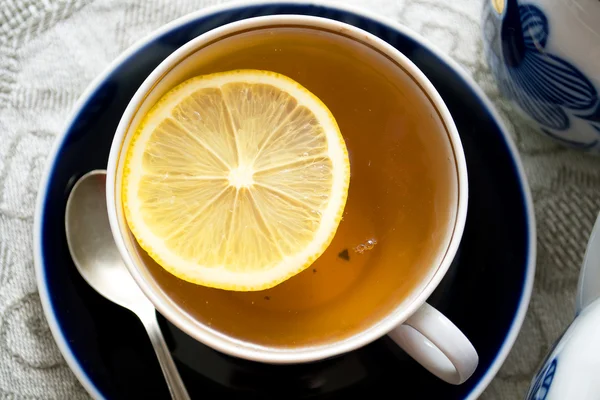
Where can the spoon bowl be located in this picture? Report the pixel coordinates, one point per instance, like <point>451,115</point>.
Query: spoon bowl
<point>92,246</point>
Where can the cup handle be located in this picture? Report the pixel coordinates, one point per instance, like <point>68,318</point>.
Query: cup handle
<point>437,344</point>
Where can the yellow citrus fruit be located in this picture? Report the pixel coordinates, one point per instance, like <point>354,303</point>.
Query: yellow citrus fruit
<point>236,180</point>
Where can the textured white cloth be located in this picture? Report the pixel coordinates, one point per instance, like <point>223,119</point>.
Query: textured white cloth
<point>50,50</point>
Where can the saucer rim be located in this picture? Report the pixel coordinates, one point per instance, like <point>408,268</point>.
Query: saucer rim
<point>139,45</point>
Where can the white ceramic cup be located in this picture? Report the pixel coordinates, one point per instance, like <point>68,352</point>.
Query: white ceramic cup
<point>422,331</point>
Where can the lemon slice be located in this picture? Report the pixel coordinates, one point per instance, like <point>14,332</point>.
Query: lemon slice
<point>236,180</point>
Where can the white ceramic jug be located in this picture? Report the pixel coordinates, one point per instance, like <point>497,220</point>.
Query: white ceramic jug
<point>545,55</point>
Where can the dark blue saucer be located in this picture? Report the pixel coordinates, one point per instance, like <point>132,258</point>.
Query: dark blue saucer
<point>485,293</point>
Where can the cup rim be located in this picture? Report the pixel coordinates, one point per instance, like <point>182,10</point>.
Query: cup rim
<point>249,351</point>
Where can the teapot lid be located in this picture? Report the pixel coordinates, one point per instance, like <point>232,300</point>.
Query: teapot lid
<point>588,288</point>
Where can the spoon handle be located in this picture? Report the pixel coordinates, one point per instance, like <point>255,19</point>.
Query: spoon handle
<point>176,386</point>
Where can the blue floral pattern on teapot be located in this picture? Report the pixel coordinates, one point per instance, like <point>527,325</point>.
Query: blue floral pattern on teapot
<point>550,90</point>
<point>543,381</point>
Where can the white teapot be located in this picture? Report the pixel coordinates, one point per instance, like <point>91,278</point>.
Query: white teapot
<point>571,369</point>
<point>545,55</point>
